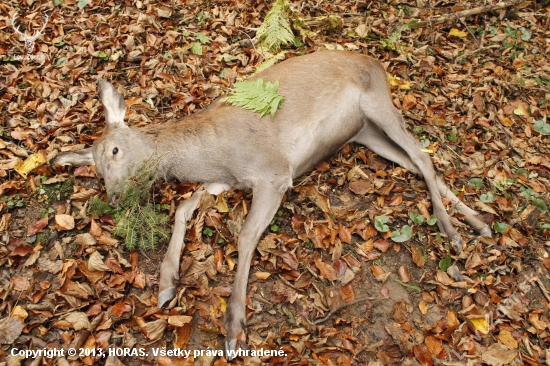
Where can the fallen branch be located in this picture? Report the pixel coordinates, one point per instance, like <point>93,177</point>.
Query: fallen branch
<point>466,13</point>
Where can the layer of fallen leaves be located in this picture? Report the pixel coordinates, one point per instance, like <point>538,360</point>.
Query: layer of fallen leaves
<point>325,286</point>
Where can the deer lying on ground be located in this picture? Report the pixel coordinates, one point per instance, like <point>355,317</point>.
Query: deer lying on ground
<point>331,98</point>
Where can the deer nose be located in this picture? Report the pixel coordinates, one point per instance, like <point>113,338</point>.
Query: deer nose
<point>113,200</point>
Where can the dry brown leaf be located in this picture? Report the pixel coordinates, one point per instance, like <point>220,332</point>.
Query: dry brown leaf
<point>474,261</point>
<point>423,355</point>
<point>262,275</point>
<point>95,263</point>
<point>423,307</point>
<point>382,245</point>
<point>78,320</point>
<point>326,270</point>
<point>179,320</point>
<point>10,329</point>
<point>404,275</point>
<point>344,234</point>
<point>361,187</point>
<point>505,336</point>
<point>64,222</point>
<point>20,283</point>
<point>152,330</point>
<point>417,256</point>
<point>498,355</point>
<point>120,308</point>
<point>38,226</point>
<point>85,240</point>
<point>20,312</point>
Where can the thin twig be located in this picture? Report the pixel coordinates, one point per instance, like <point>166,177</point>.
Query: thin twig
<point>345,305</point>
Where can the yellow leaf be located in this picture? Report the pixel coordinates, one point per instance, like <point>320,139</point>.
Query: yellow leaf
<point>518,112</point>
<point>456,33</point>
<point>221,204</point>
<point>481,324</point>
<point>116,55</point>
<point>429,151</point>
<point>33,162</point>
<point>397,81</point>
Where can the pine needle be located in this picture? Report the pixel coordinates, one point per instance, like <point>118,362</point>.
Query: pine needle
<point>137,221</point>
<point>258,96</point>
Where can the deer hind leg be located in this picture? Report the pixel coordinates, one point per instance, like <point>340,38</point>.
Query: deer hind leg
<point>265,202</point>
<point>373,138</point>
<point>379,110</point>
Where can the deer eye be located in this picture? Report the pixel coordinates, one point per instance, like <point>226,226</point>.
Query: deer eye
<point>115,150</point>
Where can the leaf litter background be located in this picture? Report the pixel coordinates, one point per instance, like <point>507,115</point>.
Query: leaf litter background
<point>326,286</point>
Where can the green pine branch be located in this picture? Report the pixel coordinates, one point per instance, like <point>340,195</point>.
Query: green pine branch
<point>137,221</point>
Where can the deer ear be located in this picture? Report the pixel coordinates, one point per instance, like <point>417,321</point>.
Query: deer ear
<point>115,108</point>
<point>76,158</point>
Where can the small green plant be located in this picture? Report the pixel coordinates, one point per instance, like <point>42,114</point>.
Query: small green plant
<point>102,55</point>
<point>476,182</point>
<point>274,224</point>
<point>400,236</point>
<point>445,263</point>
<point>500,227</point>
<point>416,217</point>
<point>393,43</point>
<point>15,201</point>
<point>380,223</point>
<point>542,127</point>
<point>487,197</point>
<point>258,96</point>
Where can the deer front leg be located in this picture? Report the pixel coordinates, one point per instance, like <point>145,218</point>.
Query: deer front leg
<point>169,269</point>
<point>265,202</point>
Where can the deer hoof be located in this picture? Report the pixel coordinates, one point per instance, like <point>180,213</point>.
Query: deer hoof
<point>456,242</point>
<point>165,296</point>
<point>230,348</point>
<point>486,231</point>
<point>230,345</point>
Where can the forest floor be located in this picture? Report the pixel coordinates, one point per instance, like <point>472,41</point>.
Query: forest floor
<point>328,286</point>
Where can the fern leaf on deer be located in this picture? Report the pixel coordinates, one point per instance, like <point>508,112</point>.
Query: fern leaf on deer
<point>258,96</point>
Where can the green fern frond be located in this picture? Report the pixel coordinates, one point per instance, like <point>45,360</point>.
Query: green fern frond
<point>270,60</point>
<point>258,96</point>
<point>275,31</point>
